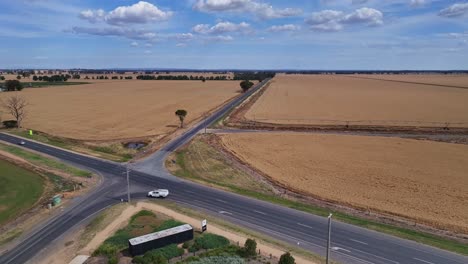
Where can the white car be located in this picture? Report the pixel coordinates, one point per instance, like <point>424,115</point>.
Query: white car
<point>21,142</point>
<point>159,193</point>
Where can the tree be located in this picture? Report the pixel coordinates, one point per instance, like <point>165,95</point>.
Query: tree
<point>246,85</point>
<point>250,248</point>
<point>286,258</point>
<point>13,85</point>
<point>18,77</point>
<point>16,106</point>
<point>35,78</point>
<point>181,114</point>
<point>2,78</point>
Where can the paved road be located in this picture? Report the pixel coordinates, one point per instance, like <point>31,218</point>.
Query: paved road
<point>350,244</point>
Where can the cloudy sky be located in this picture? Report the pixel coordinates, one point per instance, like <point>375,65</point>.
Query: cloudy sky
<point>235,34</point>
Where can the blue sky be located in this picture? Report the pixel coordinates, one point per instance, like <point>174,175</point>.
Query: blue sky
<point>235,34</point>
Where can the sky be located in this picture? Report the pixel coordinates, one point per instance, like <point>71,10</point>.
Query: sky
<point>235,34</point>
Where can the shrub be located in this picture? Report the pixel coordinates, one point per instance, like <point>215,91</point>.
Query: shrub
<point>219,260</point>
<point>119,239</point>
<point>10,123</point>
<point>286,258</point>
<point>107,250</point>
<point>160,255</point>
<point>210,241</point>
<point>168,252</point>
<point>250,248</point>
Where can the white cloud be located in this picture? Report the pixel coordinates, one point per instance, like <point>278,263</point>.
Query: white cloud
<point>369,16</point>
<point>282,28</point>
<point>221,38</point>
<point>262,10</point>
<point>115,31</point>
<point>332,20</point>
<point>93,16</point>
<point>181,45</point>
<point>139,13</point>
<point>182,37</point>
<point>134,44</point>
<point>418,3</point>
<point>455,10</point>
<point>222,27</point>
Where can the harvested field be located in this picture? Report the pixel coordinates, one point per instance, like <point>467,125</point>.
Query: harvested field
<point>121,109</point>
<point>456,80</point>
<point>421,180</point>
<point>355,100</point>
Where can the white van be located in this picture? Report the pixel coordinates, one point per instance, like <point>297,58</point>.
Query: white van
<point>159,193</point>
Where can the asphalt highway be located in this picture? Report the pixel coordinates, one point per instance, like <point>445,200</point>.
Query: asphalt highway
<point>350,244</point>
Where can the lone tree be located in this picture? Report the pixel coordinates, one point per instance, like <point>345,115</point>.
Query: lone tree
<point>13,85</point>
<point>286,258</point>
<point>181,114</point>
<point>250,248</point>
<point>16,106</point>
<point>246,85</point>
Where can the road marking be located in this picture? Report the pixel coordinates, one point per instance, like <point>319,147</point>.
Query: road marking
<point>357,241</point>
<point>224,212</point>
<point>258,212</point>
<point>425,261</point>
<point>305,225</point>
<point>338,248</point>
<point>219,200</point>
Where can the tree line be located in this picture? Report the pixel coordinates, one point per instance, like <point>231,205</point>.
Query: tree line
<point>181,77</point>
<point>260,76</point>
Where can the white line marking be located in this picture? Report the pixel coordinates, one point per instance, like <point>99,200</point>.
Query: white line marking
<point>305,225</point>
<point>258,212</point>
<point>357,241</point>
<point>425,261</point>
<point>219,200</point>
<point>338,248</point>
<point>224,212</point>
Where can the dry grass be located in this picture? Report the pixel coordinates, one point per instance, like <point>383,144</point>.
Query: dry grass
<point>421,180</point>
<point>336,99</point>
<point>121,109</point>
<point>460,80</point>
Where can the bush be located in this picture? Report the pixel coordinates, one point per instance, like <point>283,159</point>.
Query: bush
<point>13,85</point>
<point>286,258</point>
<point>219,260</point>
<point>10,123</point>
<point>250,248</point>
<point>210,241</point>
<point>107,250</point>
<point>160,255</point>
<point>119,239</point>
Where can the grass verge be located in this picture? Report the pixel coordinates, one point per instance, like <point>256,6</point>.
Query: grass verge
<point>115,152</point>
<point>199,165</point>
<point>44,161</point>
<point>20,189</point>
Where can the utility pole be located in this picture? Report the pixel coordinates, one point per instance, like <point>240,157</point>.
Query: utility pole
<point>128,184</point>
<point>329,238</point>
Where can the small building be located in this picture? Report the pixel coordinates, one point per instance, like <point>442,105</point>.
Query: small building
<point>140,245</point>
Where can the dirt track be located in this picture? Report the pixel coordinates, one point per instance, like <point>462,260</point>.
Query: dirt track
<point>425,181</point>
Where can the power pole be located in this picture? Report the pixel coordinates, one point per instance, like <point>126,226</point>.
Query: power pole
<point>128,184</point>
<point>329,238</point>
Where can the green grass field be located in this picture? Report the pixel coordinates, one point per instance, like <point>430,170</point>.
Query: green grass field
<point>44,161</point>
<point>19,190</point>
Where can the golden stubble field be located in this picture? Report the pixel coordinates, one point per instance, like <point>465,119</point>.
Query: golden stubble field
<point>337,99</point>
<point>422,180</point>
<point>120,109</point>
